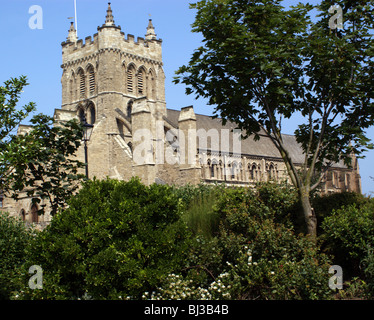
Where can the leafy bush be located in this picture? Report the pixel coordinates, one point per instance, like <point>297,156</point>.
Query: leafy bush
<point>14,237</point>
<point>283,202</point>
<point>353,289</point>
<point>189,193</point>
<point>368,264</point>
<point>347,233</point>
<point>178,287</point>
<point>123,240</point>
<point>116,239</point>
<point>255,255</point>
<point>275,263</point>
<point>324,205</point>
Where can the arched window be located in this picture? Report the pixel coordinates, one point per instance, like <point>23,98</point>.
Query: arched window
<point>220,168</point>
<point>348,181</point>
<point>82,83</point>
<point>91,113</point>
<point>130,79</point>
<point>141,81</point>
<point>34,213</point>
<point>259,175</point>
<point>240,172</point>
<point>80,112</point>
<point>228,171</point>
<point>271,172</point>
<point>72,89</point>
<point>91,80</point>
<point>252,171</point>
<point>213,169</point>
<point>233,170</point>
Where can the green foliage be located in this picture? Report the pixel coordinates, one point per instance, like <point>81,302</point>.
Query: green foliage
<point>11,117</point>
<point>14,237</point>
<point>199,216</point>
<point>42,161</point>
<point>204,261</point>
<point>291,276</point>
<point>324,205</point>
<point>255,253</point>
<point>368,265</point>
<point>261,63</point>
<point>353,289</point>
<point>275,262</point>
<point>116,239</point>
<point>188,193</point>
<point>347,233</point>
<point>123,240</point>
<point>266,200</point>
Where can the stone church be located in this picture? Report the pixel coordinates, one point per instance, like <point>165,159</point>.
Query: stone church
<point>117,84</point>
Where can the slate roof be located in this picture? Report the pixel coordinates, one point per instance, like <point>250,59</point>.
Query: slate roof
<point>263,148</point>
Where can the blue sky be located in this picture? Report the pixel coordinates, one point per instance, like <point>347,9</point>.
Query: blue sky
<point>36,53</point>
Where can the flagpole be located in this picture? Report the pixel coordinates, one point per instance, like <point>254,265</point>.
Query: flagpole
<point>75,11</point>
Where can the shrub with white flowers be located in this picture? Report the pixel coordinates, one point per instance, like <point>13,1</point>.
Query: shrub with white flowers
<point>178,288</point>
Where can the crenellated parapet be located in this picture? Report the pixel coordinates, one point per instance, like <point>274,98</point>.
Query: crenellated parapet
<point>110,37</point>
<point>144,47</point>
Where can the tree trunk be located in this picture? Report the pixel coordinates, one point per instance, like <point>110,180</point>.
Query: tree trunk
<point>309,215</point>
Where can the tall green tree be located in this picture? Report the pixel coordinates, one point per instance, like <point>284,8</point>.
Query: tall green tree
<point>10,115</point>
<point>41,162</point>
<point>261,63</point>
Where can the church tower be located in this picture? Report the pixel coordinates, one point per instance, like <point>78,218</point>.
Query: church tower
<point>118,85</point>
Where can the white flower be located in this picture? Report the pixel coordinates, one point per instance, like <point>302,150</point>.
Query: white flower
<point>271,272</point>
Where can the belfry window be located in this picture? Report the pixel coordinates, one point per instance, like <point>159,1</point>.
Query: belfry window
<point>141,82</point>
<point>72,89</point>
<point>130,79</point>
<point>91,80</point>
<point>82,83</point>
